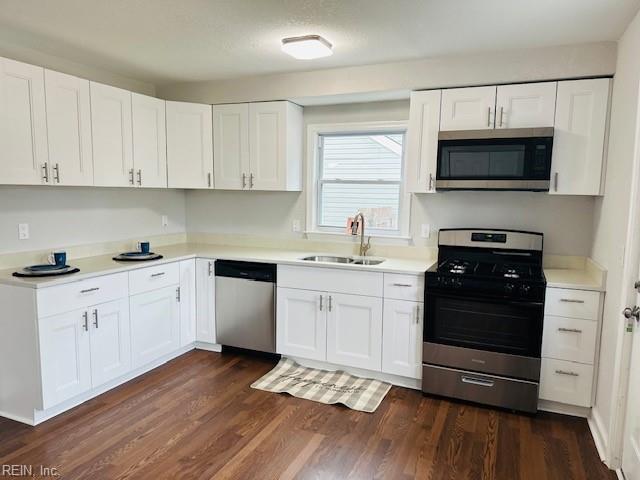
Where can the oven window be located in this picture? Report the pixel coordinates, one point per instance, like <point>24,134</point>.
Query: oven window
<point>506,328</point>
<point>483,161</point>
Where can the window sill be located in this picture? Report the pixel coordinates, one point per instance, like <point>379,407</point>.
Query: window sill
<point>343,237</point>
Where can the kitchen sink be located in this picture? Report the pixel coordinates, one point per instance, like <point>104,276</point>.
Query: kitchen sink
<point>349,260</point>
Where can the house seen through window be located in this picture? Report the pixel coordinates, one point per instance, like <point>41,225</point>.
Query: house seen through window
<point>361,173</point>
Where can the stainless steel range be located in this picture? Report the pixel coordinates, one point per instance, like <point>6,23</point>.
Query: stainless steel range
<point>484,309</point>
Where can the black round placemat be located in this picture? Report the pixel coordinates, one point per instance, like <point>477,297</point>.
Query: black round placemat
<point>45,274</point>
<point>137,259</point>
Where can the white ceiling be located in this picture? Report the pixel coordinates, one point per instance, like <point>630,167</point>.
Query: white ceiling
<point>166,41</point>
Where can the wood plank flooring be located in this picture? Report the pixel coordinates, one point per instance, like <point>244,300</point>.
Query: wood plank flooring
<point>197,417</point>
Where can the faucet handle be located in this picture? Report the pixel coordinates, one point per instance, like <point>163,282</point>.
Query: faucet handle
<point>367,246</point>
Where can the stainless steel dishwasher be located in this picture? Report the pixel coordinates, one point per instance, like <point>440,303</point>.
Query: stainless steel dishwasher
<point>246,305</point>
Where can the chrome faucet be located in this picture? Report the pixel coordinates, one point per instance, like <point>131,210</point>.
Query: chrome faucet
<point>364,248</point>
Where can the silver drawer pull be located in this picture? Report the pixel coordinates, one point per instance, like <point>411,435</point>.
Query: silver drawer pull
<point>477,381</point>
<point>159,274</point>
<point>569,330</point>
<point>564,372</point>
<point>89,290</point>
<point>402,285</point>
<point>571,300</point>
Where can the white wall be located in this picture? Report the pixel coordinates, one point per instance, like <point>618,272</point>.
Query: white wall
<point>566,221</point>
<point>68,216</point>
<point>495,67</point>
<point>612,213</point>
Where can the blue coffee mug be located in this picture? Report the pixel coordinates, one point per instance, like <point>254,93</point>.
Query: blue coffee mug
<point>58,259</point>
<point>144,247</point>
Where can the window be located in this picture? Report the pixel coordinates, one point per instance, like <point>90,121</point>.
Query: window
<point>360,172</point>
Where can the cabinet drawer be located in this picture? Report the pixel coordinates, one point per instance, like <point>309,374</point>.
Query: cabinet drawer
<point>569,339</point>
<point>566,382</point>
<point>330,280</point>
<point>572,303</point>
<point>72,296</point>
<point>153,278</point>
<point>404,287</point>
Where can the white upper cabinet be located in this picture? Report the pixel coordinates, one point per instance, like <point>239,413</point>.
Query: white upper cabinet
<point>149,142</point>
<point>69,129</point>
<point>112,142</point>
<point>579,137</point>
<point>526,105</point>
<point>231,146</point>
<point>422,151</point>
<point>23,124</point>
<point>470,108</point>
<point>189,145</point>
<point>275,146</point>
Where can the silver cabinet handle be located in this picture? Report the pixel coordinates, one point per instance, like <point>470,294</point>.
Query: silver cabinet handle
<point>178,294</point>
<point>569,330</point>
<point>571,300</point>
<point>210,268</point>
<point>85,323</point>
<point>209,179</point>
<point>244,180</point>
<point>89,290</point>
<point>402,285</point>
<point>131,181</point>
<point>56,173</point>
<point>501,114</point>
<point>330,303</point>
<point>251,180</point>
<point>477,381</point>
<point>45,172</point>
<point>417,314</point>
<point>321,302</point>
<point>159,274</point>
<point>95,317</point>
<point>489,117</point>
<point>140,178</point>
<point>555,181</point>
<point>430,182</point>
<point>565,372</point>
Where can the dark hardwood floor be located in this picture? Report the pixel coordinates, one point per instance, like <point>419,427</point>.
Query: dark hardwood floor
<point>197,417</point>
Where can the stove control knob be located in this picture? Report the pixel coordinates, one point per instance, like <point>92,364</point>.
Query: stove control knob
<point>509,287</point>
<point>525,289</point>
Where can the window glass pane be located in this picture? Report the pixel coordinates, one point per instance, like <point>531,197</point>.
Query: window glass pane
<point>379,204</point>
<point>362,157</point>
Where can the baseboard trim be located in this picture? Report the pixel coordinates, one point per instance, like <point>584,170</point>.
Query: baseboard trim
<point>563,408</point>
<point>210,347</point>
<point>17,418</point>
<point>598,433</point>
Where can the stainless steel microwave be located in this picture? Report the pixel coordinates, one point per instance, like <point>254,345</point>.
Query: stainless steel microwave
<point>500,159</point>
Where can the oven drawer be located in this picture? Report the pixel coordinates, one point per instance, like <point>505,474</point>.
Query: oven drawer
<point>572,303</point>
<point>569,339</point>
<point>481,388</point>
<point>566,382</point>
<point>404,287</point>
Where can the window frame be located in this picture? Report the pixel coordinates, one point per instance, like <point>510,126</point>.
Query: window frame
<point>314,150</point>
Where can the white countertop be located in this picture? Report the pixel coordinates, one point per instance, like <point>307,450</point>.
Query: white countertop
<point>573,278</point>
<point>104,264</point>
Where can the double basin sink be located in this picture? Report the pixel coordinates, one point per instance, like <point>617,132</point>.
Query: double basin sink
<point>343,260</point>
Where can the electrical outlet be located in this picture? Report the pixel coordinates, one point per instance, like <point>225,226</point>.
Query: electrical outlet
<point>23,231</point>
<point>295,226</point>
<point>425,230</point>
<point>165,220</point>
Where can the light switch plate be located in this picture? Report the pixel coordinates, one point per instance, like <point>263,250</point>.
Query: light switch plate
<point>295,226</point>
<point>425,231</point>
<point>165,220</point>
<point>23,231</point>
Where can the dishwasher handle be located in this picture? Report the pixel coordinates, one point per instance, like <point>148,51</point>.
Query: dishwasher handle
<point>258,272</point>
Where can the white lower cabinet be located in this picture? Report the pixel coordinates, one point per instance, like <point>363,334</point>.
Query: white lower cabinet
<point>301,323</point>
<point>402,338</point>
<point>354,331</point>
<point>205,301</point>
<point>187,297</point>
<point>155,324</point>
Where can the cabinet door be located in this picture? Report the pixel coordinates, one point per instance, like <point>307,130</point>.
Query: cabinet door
<point>110,341</point>
<point>205,301</point>
<point>468,108</point>
<point>149,141</point>
<point>112,142</point>
<point>301,323</point>
<point>354,331</point>
<point>578,142</point>
<point>187,302</point>
<point>268,145</point>
<point>402,338</point>
<point>189,145</point>
<point>65,356</point>
<point>526,105</point>
<point>422,151</point>
<point>155,325</point>
<point>23,124</point>
<point>231,146</point>
<point>69,129</point>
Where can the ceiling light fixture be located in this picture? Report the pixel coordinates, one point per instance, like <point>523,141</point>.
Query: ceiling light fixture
<point>307,47</point>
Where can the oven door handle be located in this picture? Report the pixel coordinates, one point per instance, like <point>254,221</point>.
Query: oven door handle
<point>502,301</point>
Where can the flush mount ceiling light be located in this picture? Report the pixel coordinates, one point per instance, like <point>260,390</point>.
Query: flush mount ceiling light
<point>307,47</point>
